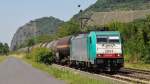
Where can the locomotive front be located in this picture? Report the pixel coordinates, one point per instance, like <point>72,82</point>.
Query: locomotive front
<point>109,54</point>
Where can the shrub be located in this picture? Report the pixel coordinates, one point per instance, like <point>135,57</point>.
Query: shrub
<point>136,39</point>
<point>41,55</point>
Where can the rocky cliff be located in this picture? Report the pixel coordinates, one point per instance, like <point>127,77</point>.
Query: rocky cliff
<point>42,26</point>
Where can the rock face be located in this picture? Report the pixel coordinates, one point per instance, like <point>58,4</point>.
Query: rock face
<point>42,26</point>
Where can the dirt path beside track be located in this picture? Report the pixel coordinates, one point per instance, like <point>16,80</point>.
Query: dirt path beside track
<point>15,71</point>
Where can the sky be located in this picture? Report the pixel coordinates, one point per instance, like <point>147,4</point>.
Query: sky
<point>16,13</point>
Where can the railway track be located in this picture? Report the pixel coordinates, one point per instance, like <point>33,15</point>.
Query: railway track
<point>133,75</point>
<point>137,71</point>
<point>125,76</point>
<point>138,76</point>
<point>131,79</point>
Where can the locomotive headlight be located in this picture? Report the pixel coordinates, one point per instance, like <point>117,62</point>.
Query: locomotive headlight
<point>99,55</point>
<point>119,55</point>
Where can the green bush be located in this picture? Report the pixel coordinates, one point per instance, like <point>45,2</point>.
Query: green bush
<point>136,39</point>
<point>41,55</point>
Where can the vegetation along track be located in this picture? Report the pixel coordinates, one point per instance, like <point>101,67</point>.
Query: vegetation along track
<point>125,75</point>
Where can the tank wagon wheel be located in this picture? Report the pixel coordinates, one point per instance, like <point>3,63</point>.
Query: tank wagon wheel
<point>57,58</point>
<point>71,63</point>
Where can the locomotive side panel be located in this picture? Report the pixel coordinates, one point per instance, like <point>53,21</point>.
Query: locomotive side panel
<point>79,48</point>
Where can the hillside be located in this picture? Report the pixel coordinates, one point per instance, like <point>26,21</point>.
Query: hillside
<point>111,5</point>
<point>41,26</point>
<point>102,18</point>
<point>106,11</point>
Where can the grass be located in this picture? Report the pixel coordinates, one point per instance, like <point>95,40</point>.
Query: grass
<point>2,58</point>
<point>66,75</point>
<point>138,66</point>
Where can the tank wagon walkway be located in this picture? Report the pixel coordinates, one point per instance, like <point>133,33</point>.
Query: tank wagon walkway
<point>14,71</point>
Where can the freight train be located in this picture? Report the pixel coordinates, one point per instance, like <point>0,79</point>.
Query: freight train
<point>99,50</point>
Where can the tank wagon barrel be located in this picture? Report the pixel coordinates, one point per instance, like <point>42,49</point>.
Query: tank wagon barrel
<point>62,50</point>
<point>63,46</point>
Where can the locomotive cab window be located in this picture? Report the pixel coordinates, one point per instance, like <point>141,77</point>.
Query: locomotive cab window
<point>114,39</point>
<point>102,39</point>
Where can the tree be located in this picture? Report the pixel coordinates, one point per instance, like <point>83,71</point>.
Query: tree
<point>136,37</point>
<point>68,28</point>
<point>30,42</point>
<point>6,48</point>
<point>1,48</point>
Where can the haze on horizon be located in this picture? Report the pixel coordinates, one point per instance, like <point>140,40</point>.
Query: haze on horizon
<point>18,12</point>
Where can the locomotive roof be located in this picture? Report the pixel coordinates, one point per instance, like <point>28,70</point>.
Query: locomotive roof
<point>107,33</point>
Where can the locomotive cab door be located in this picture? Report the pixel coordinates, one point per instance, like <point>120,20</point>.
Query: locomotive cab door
<point>92,47</point>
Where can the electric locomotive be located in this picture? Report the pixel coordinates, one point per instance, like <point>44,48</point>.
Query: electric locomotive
<point>100,50</point>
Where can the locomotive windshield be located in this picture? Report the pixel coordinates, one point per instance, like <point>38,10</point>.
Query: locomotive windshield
<point>108,39</point>
<point>114,39</point>
<point>102,39</point>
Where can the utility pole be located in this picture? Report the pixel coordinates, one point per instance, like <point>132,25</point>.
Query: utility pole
<point>82,19</point>
<point>81,22</point>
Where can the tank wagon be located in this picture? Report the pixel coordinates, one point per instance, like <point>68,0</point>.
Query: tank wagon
<point>100,50</point>
<point>62,50</point>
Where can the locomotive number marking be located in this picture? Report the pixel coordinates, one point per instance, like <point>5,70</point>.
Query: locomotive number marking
<point>108,51</point>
